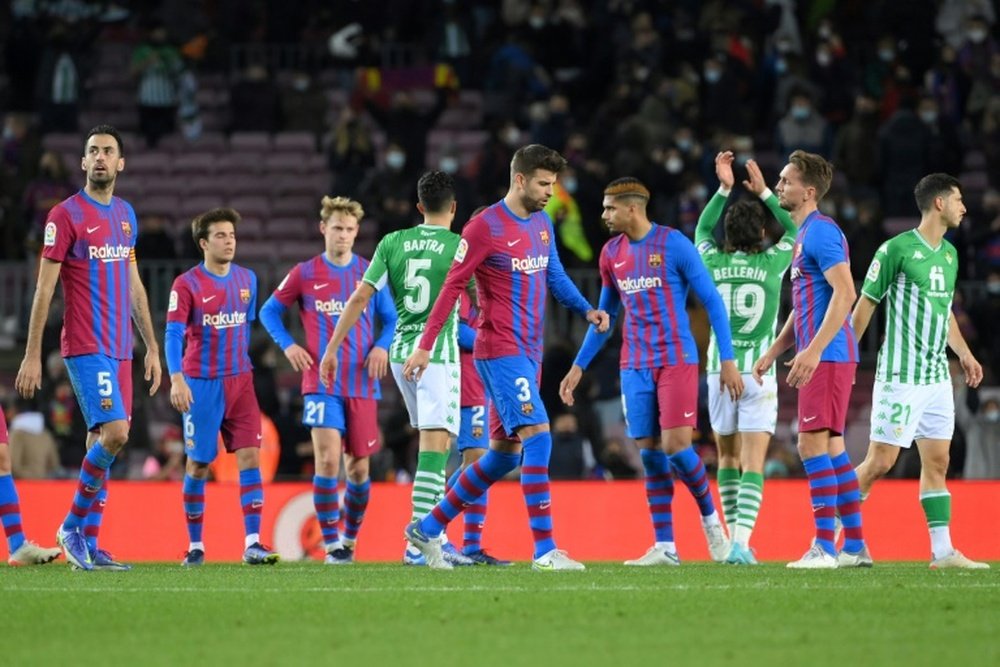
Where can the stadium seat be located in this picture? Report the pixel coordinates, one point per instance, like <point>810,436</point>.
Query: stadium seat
<point>250,141</point>
<point>193,206</point>
<point>294,206</point>
<point>243,162</point>
<point>279,163</point>
<point>313,184</point>
<point>145,162</point>
<point>193,163</point>
<point>295,142</point>
<point>898,225</point>
<point>250,228</point>
<point>252,206</point>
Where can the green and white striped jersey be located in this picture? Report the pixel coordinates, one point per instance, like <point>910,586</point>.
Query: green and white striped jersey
<point>917,282</point>
<point>414,263</point>
<point>750,285</point>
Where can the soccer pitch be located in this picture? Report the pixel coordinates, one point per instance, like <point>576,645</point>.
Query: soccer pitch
<point>378,614</point>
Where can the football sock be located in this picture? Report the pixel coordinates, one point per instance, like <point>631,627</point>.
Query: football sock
<point>747,506</point>
<point>729,490</point>
<point>937,509</point>
<point>93,470</point>
<point>688,466</point>
<point>471,484</point>
<point>535,486</point>
<point>848,502</point>
<point>327,504</point>
<point>252,503</point>
<point>194,508</point>
<point>659,493</point>
<point>10,513</point>
<point>823,494</point>
<point>92,524</point>
<point>428,483</point>
<point>355,505</point>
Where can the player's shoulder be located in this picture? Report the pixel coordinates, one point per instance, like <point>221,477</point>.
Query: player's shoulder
<point>245,272</point>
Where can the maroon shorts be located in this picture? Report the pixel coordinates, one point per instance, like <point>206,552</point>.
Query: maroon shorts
<point>4,438</point>
<point>823,401</point>
<point>361,415</point>
<point>241,423</point>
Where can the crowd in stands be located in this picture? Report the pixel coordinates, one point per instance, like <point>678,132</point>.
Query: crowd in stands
<point>887,90</point>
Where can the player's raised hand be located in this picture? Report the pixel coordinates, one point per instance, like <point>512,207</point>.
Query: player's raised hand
<point>377,363</point>
<point>180,393</point>
<point>801,367</point>
<point>761,367</point>
<point>972,369</point>
<point>298,357</point>
<point>29,376</point>
<point>724,169</point>
<point>599,319</point>
<point>755,183</point>
<point>569,383</point>
<point>730,379</point>
<point>414,367</point>
<point>328,366</point>
<point>154,372</point>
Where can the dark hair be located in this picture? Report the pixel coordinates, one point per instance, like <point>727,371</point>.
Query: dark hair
<point>106,129</point>
<point>528,159</point>
<point>628,188</point>
<point>931,187</point>
<point>816,171</point>
<point>435,191</point>
<point>200,225</point>
<point>744,223</point>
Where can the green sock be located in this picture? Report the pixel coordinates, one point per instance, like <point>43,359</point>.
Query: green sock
<point>748,505</point>
<point>729,488</point>
<point>937,509</point>
<point>428,483</point>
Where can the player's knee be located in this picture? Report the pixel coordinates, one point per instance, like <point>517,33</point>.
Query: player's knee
<point>114,435</point>
<point>470,456</point>
<point>878,465</point>
<point>196,470</point>
<point>935,468</point>
<point>5,466</point>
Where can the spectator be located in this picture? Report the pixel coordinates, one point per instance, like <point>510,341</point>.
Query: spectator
<point>990,141</point>
<point>803,128</point>
<point>450,162</point>
<point>855,150</point>
<point>62,415</point>
<point>33,451</point>
<point>574,249</point>
<point>617,460</point>
<point>350,152</point>
<point>58,84</point>
<point>572,454</point>
<point>304,107</point>
<point>985,313</point>
<point>166,462</point>
<point>944,148</point>
<point>408,126</point>
<point>903,146</point>
<point>157,64</point>
<point>863,228</point>
<point>982,459</point>
<point>255,102</point>
<point>51,186</point>
<point>389,192</point>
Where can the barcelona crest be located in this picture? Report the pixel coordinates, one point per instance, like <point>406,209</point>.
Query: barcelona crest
<point>527,408</point>
<point>655,260</point>
<point>107,404</point>
<point>245,295</point>
<point>477,432</point>
<point>544,234</point>
<point>127,227</point>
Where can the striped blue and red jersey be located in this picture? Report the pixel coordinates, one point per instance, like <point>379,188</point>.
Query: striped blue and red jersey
<point>819,246</point>
<point>321,289</point>
<point>216,312</point>
<point>96,245</point>
<point>651,278</point>
<point>515,263</point>
<point>473,392</point>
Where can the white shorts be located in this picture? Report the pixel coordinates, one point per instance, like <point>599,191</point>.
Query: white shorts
<point>433,400</point>
<point>902,413</point>
<point>756,411</point>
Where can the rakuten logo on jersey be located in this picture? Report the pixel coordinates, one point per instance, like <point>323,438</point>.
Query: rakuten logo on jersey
<point>632,285</point>
<point>109,253</point>
<point>530,264</point>
<point>224,320</point>
<point>331,307</point>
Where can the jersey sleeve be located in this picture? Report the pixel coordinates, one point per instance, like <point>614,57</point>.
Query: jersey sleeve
<point>604,267</point>
<point>593,340</point>
<point>826,245</point>
<point>289,290</point>
<point>134,234</point>
<point>385,313</point>
<point>704,232</point>
<point>562,287</point>
<point>60,235</point>
<point>881,273</point>
<point>179,306</point>
<point>377,273</point>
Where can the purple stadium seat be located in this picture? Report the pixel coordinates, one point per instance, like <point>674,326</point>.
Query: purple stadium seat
<point>255,206</point>
<point>145,162</point>
<point>248,184</point>
<point>254,250</point>
<point>303,142</point>
<point>192,206</point>
<point>171,186</point>
<point>193,163</point>
<point>284,163</point>
<point>63,143</point>
<point>294,206</point>
<point>216,186</point>
<point>293,228</point>
<point>898,225</point>
<point>250,141</point>
<point>243,162</point>
<point>313,184</point>
<point>250,228</point>
<point>162,204</point>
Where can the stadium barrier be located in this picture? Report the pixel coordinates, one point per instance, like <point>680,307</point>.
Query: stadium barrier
<point>144,521</point>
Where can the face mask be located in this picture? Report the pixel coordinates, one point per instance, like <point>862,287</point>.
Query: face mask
<point>825,31</point>
<point>684,144</point>
<point>929,117</point>
<point>993,288</point>
<point>823,59</point>
<point>780,65</point>
<point>699,192</point>
<point>849,212</point>
<point>395,160</point>
<point>992,415</point>
<point>300,85</point>
<point>8,133</point>
<point>743,158</point>
<point>674,165</point>
<point>537,22</point>
<point>977,36</point>
<point>569,184</point>
<point>512,136</point>
<point>713,75</point>
<point>886,55</point>
<point>448,165</point>
<point>800,112</point>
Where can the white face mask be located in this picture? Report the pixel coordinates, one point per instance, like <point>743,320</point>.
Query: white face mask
<point>395,160</point>
<point>992,415</point>
<point>569,184</point>
<point>448,165</point>
<point>674,165</point>
<point>977,36</point>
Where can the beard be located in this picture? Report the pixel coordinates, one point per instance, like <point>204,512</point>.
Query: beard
<point>103,181</point>
<point>533,205</point>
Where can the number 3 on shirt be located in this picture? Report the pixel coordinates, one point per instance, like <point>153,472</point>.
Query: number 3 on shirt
<point>524,389</point>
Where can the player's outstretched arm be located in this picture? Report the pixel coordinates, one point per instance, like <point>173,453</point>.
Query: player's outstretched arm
<point>704,232</point>
<point>756,184</point>
<point>29,376</point>
<point>144,322</point>
<point>956,341</point>
<point>353,309</point>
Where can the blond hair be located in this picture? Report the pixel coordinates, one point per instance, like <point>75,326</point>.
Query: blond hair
<point>815,171</point>
<point>331,205</point>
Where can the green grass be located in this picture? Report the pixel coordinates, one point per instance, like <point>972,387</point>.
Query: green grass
<point>367,615</point>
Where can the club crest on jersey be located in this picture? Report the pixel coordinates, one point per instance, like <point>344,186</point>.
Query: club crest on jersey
<point>947,256</point>
<point>107,403</point>
<point>655,260</point>
<point>477,432</point>
<point>50,234</point>
<point>127,227</point>
<point>544,234</point>
<point>527,408</point>
<point>245,295</point>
